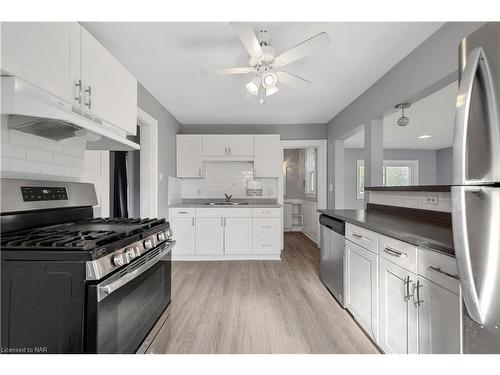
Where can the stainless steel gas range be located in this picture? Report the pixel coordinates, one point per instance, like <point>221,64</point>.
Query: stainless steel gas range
<point>72,283</point>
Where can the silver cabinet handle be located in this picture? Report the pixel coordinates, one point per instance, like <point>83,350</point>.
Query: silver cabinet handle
<point>225,150</point>
<point>89,91</point>
<point>418,301</point>
<point>183,212</point>
<point>357,235</point>
<point>221,221</point>
<point>438,269</point>
<point>78,85</point>
<point>390,250</point>
<point>192,221</point>
<point>407,284</point>
<point>199,172</point>
<point>229,150</point>
<point>266,226</point>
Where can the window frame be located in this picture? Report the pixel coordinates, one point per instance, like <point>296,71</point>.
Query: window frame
<point>310,172</point>
<point>412,164</point>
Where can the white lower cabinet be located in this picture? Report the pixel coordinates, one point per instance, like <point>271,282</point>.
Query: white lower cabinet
<point>238,235</point>
<point>362,287</point>
<point>398,316</point>
<point>209,235</point>
<point>438,318</point>
<point>183,229</point>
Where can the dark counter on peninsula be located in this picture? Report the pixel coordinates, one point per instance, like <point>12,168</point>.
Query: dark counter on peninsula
<point>423,188</point>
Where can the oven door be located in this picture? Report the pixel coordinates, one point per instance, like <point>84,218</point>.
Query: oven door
<point>123,308</point>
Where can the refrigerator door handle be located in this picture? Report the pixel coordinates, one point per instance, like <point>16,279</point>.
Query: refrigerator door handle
<point>462,252</point>
<point>476,63</point>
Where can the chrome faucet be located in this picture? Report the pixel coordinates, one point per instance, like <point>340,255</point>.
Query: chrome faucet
<point>228,197</point>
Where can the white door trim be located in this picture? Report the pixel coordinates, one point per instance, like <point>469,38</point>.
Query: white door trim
<point>148,164</point>
<point>321,145</point>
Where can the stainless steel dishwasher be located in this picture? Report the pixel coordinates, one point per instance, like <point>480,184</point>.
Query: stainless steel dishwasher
<point>331,267</point>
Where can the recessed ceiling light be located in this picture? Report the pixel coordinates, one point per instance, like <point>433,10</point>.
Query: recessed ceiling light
<point>423,136</point>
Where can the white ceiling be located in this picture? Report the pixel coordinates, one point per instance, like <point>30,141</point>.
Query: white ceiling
<point>433,115</point>
<point>166,59</point>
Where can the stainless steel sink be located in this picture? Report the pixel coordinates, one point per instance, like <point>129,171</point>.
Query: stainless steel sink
<point>226,204</point>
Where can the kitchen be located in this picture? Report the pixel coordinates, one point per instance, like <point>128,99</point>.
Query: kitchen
<point>177,220</point>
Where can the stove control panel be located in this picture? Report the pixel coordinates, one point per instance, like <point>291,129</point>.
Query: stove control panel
<point>40,193</point>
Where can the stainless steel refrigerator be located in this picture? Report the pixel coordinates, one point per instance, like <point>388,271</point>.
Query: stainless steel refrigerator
<point>476,194</point>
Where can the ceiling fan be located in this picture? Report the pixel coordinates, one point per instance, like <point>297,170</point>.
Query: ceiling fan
<point>266,64</point>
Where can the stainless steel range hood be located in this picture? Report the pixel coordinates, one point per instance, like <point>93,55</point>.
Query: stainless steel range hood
<point>37,112</point>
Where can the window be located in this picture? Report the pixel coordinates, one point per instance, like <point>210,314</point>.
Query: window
<point>395,173</point>
<point>310,175</point>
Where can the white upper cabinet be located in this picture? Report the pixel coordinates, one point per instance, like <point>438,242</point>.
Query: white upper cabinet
<point>109,90</point>
<point>189,162</point>
<point>267,155</point>
<point>240,145</point>
<point>46,54</point>
<point>63,59</point>
<point>228,145</point>
<point>215,145</point>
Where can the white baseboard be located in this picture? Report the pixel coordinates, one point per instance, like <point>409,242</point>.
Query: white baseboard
<point>219,257</point>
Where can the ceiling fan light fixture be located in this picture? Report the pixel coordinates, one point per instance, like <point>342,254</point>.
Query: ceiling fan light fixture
<point>269,80</point>
<point>272,90</point>
<point>253,86</point>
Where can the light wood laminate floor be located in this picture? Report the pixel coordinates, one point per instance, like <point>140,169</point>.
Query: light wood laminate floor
<point>260,307</point>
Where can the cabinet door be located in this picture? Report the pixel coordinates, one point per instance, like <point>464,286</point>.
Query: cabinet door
<point>183,229</point>
<point>438,319</point>
<point>240,145</point>
<point>398,316</point>
<point>46,54</point>
<point>209,235</point>
<point>238,235</point>
<point>362,287</point>
<point>113,96</point>
<point>267,159</point>
<point>215,145</point>
<point>189,163</point>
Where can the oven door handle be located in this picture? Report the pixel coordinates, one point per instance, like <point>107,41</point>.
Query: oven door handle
<point>116,281</point>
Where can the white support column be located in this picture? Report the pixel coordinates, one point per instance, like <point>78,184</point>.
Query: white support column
<point>374,152</point>
<point>339,174</point>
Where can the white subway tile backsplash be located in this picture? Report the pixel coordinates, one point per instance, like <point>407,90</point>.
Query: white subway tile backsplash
<point>25,166</point>
<point>39,155</point>
<point>23,139</point>
<point>416,199</point>
<point>62,159</point>
<point>13,151</point>
<point>52,146</point>
<point>52,169</point>
<point>226,177</point>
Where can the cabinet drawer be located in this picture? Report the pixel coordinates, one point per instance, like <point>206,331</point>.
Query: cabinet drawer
<point>224,212</point>
<point>182,212</point>
<point>439,268</point>
<point>401,253</point>
<point>267,212</point>
<point>266,246</point>
<point>267,228</point>
<point>362,237</point>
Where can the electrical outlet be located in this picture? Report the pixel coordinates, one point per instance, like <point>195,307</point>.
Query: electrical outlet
<point>330,187</point>
<point>431,199</point>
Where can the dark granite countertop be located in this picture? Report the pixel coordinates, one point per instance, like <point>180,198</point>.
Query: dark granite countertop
<point>416,231</point>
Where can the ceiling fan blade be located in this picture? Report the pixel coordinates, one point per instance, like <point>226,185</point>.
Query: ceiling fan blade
<point>307,47</point>
<point>248,38</point>
<point>290,79</point>
<point>226,71</point>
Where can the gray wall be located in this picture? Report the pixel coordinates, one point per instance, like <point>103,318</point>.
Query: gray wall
<point>167,129</point>
<point>444,162</point>
<point>429,67</point>
<point>295,188</point>
<point>427,162</point>
<point>288,132</point>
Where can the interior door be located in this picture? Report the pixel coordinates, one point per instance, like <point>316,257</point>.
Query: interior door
<point>238,235</point>
<point>209,235</point>
<point>362,282</point>
<point>215,145</point>
<point>113,90</point>
<point>398,316</point>
<point>189,162</point>
<point>240,145</point>
<point>46,54</point>
<point>438,319</point>
<point>184,234</point>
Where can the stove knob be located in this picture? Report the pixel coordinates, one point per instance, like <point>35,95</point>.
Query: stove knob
<point>148,244</point>
<point>118,260</point>
<point>162,236</point>
<point>132,253</point>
